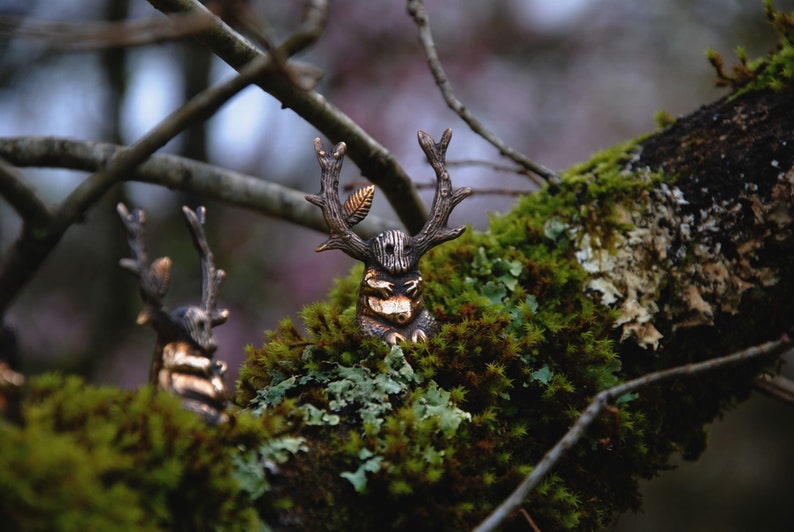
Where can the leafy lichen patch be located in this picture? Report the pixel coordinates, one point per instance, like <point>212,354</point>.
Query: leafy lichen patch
<point>708,257</point>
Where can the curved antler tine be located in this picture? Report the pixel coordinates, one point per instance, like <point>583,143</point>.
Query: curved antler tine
<point>323,157</point>
<point>195,222</point>
<point>134,224</point>
<point>435,151</point>
<point>341,237</point>
<point>153,279</point>
<point>435,230</point>
<point>211,277</point>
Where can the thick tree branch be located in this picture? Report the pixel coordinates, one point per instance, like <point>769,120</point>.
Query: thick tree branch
<point>374,160</point>
<point>605,398</point>
<point>417,11</point>
<point>179,173</point>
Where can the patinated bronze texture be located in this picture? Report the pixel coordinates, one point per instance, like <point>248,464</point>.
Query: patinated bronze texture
<point>390,301</point>
<point>183,357</point>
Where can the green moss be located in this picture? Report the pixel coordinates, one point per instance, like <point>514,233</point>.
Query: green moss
<point>436,434</point>
<point>90,458</point>
<point>341,432</point>
<point>663,119</point>
<point>774,72</point>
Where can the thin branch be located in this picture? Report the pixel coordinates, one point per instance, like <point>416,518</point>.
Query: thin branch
<point>529,520</point>
<point>484,191</point>
<point>180,173</point>
<point>29,251</point>
<point>22,197</point>
<point>417,11</point>
<point>488,164</point>
<point>374,160</point>
<point>426,186</point>
<point>89,36</point>
<point>313,23</point>
<point>600,402</point>
<point>199,108</point>
<point>314,19</point>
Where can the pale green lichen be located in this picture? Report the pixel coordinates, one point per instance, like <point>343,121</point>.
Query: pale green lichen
<point>370,395</point>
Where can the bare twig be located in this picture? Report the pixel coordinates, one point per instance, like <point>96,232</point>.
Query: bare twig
<point>600,402</point>
<point>529,519</point>
<point>179,173</point>
<point>474,191</point>
<point>417,11</point>
<point>779,387</point>
<point>488,164</point>
<point>313,23</point>
<point>484,191</point>
<point>30,250</point>
<point>374,160</point>
<point>86,36</point>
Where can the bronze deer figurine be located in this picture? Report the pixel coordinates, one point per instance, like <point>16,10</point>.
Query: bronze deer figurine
<point>390,302</point>
<point>183,357</point>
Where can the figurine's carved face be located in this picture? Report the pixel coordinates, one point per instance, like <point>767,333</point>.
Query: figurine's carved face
<point>196,323</point>
<point>395,299</point>
<point>393,250</point>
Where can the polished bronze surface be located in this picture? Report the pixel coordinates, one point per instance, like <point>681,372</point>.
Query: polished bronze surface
<point>390,302</point>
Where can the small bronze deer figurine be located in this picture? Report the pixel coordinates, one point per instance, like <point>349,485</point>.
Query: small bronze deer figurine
<point>390,301</point>
<point>182,362</point>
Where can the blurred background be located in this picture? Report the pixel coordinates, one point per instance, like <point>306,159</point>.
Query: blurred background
<point>556,80</point>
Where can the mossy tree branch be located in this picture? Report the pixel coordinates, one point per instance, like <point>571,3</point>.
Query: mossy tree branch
<point>666,252</point>
<point>598,406</point>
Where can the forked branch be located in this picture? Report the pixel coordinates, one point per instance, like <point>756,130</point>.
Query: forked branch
<point>417,11</point>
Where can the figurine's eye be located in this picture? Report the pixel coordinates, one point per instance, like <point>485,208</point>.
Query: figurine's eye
<point>389,249</point>
<point>408,248</point>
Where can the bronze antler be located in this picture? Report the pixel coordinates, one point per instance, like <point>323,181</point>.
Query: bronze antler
<point>211,277</point>
<point>182,360</point>
<point>390,302</point>
<point>435,230</point>
<point>154,279</point>
<point>336,215</point>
